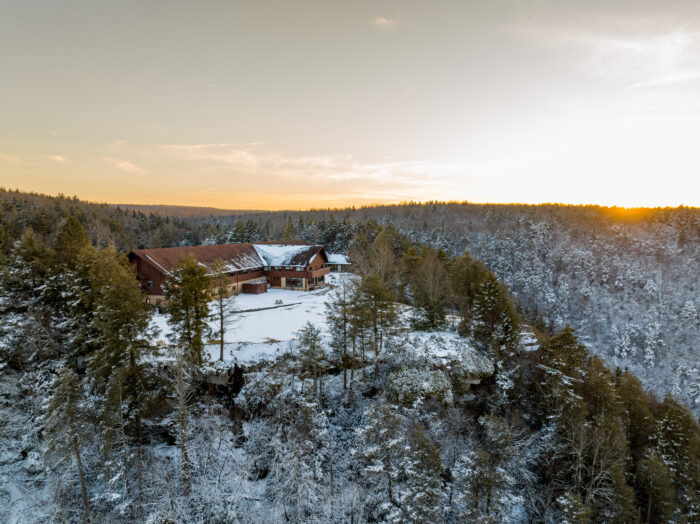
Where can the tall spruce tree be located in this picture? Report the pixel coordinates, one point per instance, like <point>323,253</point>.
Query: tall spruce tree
<point>429,289</point>
<point>338,318</point>
<point>312,357</point>
<point>187,291</point>
<point>66,426</point>
<point>223,300</point>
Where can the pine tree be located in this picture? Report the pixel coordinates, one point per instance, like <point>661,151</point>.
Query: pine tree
<point>381,445</point>
<point>677,441</point>
<point>381,309</point>
<point>187,293</point>
<point>119,318</point>
<point>297,480</point>
<point>658,496</point>
<point>288,231</point>
<point>312,357</point>
<point>338,318</point>
<point>487,309</point>
<point>466,276</point>
<point>70,241</point>
<point>66,426</point>
<point>182,402</point>
<point>223,299</point>
<point>429,289</point>
<point>508,329</point>
<point>118,332</point>
<point>422,496</point>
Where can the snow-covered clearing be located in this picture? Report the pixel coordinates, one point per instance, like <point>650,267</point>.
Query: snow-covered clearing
<point>253,333</point>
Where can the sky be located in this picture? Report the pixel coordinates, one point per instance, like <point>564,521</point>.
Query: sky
<point>292,105</point>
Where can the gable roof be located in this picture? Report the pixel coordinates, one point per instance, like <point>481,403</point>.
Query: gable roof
<point>237,257</point>
<point>288,255</point>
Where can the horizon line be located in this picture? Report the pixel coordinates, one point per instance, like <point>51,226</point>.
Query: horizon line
<point>353,206</point>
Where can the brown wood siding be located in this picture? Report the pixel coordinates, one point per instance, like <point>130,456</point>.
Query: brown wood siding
<point>239,276</point>
<point>146,271</point>
<point>255,288</point>
<point>278,273</point>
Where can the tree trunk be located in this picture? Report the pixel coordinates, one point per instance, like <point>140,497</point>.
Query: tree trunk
<point>221,332</point>
<point>649,510</point>
<point>125,451</point>
<point>352,369</point>
<point>345,367</point>
<point>139,435</point>
<point>183,453</point>
<point>331,474</point>
<point>86,513</point>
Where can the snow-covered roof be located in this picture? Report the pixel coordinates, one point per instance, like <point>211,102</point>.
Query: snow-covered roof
<point>286,255</point>
<point>338,258</point>
<point>236,257</point>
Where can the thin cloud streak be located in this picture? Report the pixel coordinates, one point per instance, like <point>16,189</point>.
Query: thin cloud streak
<point>668,80</point>
<point>318,167</point>
<point>666,57</point>
<point>10,159</point>
<point>57,158</point>
<point>126,166</point>
<point>384,23</point>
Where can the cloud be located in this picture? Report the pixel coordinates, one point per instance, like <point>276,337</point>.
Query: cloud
<point>58,158</point>
<point>10,159</point>
<point>663,81</point>
<point>636,53</point>
<point>126,166</point>
<point>228,154</point>
<point>321,174</point>
<point>204,84</point>
<point>384,23</point>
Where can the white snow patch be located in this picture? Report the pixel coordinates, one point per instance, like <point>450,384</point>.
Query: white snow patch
<point>337,258</point>
<point>263,334</point>
<point>278,254</point>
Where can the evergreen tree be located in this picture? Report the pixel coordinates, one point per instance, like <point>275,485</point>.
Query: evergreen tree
<point>312,357</point>
<point>429,289</point>
<point>677,441</point>
<point>422,496</point>
<point>182,403</point>
<point>381,445</point>
<point>66,426</point>
<point>297,480</point>
<point>488,306</point>
<point>119,318</point>
<point>70,241</point>
<point>657,493</point>
<point>381,310</point>
<point>223,299</point>
<point>288,231</point>
<point>338,319</point>
<point>187,293</point>
<point>466,276</point>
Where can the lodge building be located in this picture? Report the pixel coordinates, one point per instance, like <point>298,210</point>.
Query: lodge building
<point>252,268</point>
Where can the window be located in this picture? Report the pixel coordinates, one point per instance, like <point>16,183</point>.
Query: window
<point>150,283</point>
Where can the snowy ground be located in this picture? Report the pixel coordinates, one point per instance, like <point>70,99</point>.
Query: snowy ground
<point>255,335</point>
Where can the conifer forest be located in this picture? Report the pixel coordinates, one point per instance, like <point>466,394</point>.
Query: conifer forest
<point>473,363</point>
